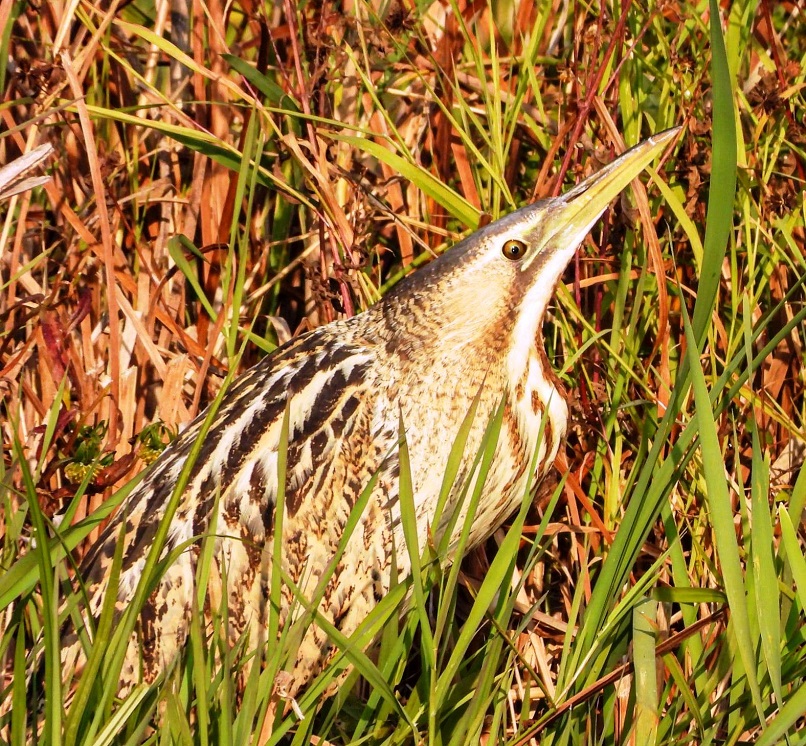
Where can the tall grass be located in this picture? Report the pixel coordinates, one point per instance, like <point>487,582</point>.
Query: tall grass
<point>275,167</point>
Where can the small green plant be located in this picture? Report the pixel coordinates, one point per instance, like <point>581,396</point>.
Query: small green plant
<point>153,439</point>
<point>87,456</point>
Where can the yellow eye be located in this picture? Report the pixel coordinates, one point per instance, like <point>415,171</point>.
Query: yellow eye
<point>514,249</point>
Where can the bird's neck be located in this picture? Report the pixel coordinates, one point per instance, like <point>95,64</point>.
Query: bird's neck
<point>537,397</point>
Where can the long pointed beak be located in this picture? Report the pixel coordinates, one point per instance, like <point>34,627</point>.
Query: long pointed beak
<point>576,211</point>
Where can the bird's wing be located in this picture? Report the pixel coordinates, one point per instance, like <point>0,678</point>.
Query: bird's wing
<point>335,444</point>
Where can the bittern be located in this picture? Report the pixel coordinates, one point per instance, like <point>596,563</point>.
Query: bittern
<point>465,328</point>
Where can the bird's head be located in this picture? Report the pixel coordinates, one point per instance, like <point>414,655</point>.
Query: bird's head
<point>499,280</point>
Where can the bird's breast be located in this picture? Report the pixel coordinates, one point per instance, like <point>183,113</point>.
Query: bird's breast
<point>534,424</point>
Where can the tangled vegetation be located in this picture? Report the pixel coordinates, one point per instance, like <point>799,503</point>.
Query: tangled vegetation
<point>225,176</point>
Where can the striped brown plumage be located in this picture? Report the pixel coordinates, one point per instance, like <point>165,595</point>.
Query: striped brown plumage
<point>466,327</point>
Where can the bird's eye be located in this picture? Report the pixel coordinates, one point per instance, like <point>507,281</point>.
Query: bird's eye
<point>514,249</point>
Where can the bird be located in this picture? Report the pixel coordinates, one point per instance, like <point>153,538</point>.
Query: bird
<point>462,331</point>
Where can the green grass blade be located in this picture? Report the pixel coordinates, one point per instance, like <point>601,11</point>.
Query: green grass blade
<point>120,720</point>
<point>785,723</point>
<point>176,248</point>
<point>50,607</point>
<point>721,515</point>
<point>500,571</point>
<point>275,590</point>
<point>646,676</point>
<point>768,602</point>
<point>719,218</point>
<point>98,651</point>
<point>408,518</point>
<point>794,556</point>
<point>455,204</point>
<point>19,708</point>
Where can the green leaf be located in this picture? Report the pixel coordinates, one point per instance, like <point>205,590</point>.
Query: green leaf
<point>454,203</point>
